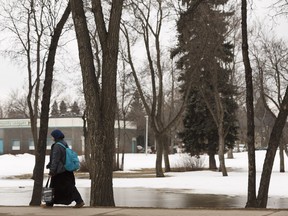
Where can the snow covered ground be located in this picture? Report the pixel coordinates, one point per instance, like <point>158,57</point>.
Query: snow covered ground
<point>196,182</point>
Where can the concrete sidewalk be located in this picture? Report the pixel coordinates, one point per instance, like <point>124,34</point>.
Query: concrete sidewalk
<point>88,211</point>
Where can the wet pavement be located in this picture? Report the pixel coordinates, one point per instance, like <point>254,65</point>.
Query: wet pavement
<point>141,197</point>
<point>147,198</point>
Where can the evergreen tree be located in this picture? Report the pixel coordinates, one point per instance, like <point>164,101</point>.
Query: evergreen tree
<point>1,112</point>
<point>137,114</point>
<point>75,110</point>
<point>204,56</point>
<point>63,108</point>
<point>136,108</point>
<point>200,131</point>
<point>55,110</point>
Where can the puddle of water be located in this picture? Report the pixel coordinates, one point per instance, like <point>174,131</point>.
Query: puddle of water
<point>139,197</point>
<point>143,197</point>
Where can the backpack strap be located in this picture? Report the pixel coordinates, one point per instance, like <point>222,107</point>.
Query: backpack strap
<point>61,144</point>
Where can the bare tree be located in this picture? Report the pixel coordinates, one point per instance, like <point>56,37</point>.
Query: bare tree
<point>25,20</point>
<point>148,20</point>
<point>31,24</point>
<point>16,105</point>
<point>124,100</point>
<point>270,56</point>
<point>251,199</point>
<point>271,79</point>
<point>45,108</point>
<point>277,130</point>
<point>281,7</point>
<point>274,141</point>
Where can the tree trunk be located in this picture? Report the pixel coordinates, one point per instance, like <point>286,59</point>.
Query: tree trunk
<point>87,152</point>
<point>102,165</point>
<point>281,155</point>
<point>123,150</point>
<point>212,162</point>
<point>274,141</point>
<point>117,159</point>
<point>251,198</point>
<point>221,150</point>
<point>100,103</point>
<point>44,116</point>
<point>159,154</point>
<point>166,153</point>
<point>230,153</point>
<point>122,160</point>
<point>34,92</point>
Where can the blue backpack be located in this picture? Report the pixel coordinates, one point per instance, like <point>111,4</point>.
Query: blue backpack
<point>72,162</point>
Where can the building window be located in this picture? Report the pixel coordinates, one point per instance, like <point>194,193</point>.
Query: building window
<point>50,142</point>
<point>31,145</point>
<point>69,143</point>
<point>15,144</point>
<point>116,143</point>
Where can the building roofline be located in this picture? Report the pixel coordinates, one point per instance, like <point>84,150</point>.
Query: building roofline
<point>56,122</point>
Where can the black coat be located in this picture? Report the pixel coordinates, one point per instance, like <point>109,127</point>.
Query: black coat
<point>64,188</point>
<point>62,181</point>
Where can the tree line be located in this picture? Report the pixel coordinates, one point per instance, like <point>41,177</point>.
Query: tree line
<point>16,107</point>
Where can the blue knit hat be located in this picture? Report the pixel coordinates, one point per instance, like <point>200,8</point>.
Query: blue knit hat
<point>57,134</point>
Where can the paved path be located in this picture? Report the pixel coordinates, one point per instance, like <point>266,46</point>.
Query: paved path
<point>88,211</point>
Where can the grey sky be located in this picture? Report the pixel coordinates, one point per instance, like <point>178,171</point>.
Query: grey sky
<point>14,77</point>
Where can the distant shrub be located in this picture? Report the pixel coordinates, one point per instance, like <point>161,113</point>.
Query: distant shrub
<point>188,163</point>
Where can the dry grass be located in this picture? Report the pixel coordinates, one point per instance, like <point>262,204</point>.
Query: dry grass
<point>186,164</point>
<point>143,173</point>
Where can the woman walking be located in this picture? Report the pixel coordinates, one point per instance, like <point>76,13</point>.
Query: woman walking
<point>62,181</point>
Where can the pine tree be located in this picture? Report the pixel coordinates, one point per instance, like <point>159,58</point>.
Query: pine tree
<point>137,114</point>
<point>63,108</point>
<point>204,56</point>
<point>55,110</point>
<point>136,108</point>
<point>200,130</point>
<point>75,110</point>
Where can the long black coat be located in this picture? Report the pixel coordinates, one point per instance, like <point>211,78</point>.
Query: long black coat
<point>64,188</point>
<point>62,181</point>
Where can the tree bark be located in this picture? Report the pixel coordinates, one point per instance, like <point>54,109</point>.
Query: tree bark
<point>212,162</point>
<point>222,166</point>
<point>251,198</point>
<point>281,156</point>
<point>100,102</point>
<point>87,146</point>
<point>166,153</point>
<point>44,116</point>
<point>230,153</point>
<point>159,155</point>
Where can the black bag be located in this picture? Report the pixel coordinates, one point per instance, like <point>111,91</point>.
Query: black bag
<point>47,192</point>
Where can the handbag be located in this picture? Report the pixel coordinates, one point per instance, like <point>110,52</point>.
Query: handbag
<point>47,192</point>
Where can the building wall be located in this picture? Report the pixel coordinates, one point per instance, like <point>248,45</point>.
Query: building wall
<point>16,136</point>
